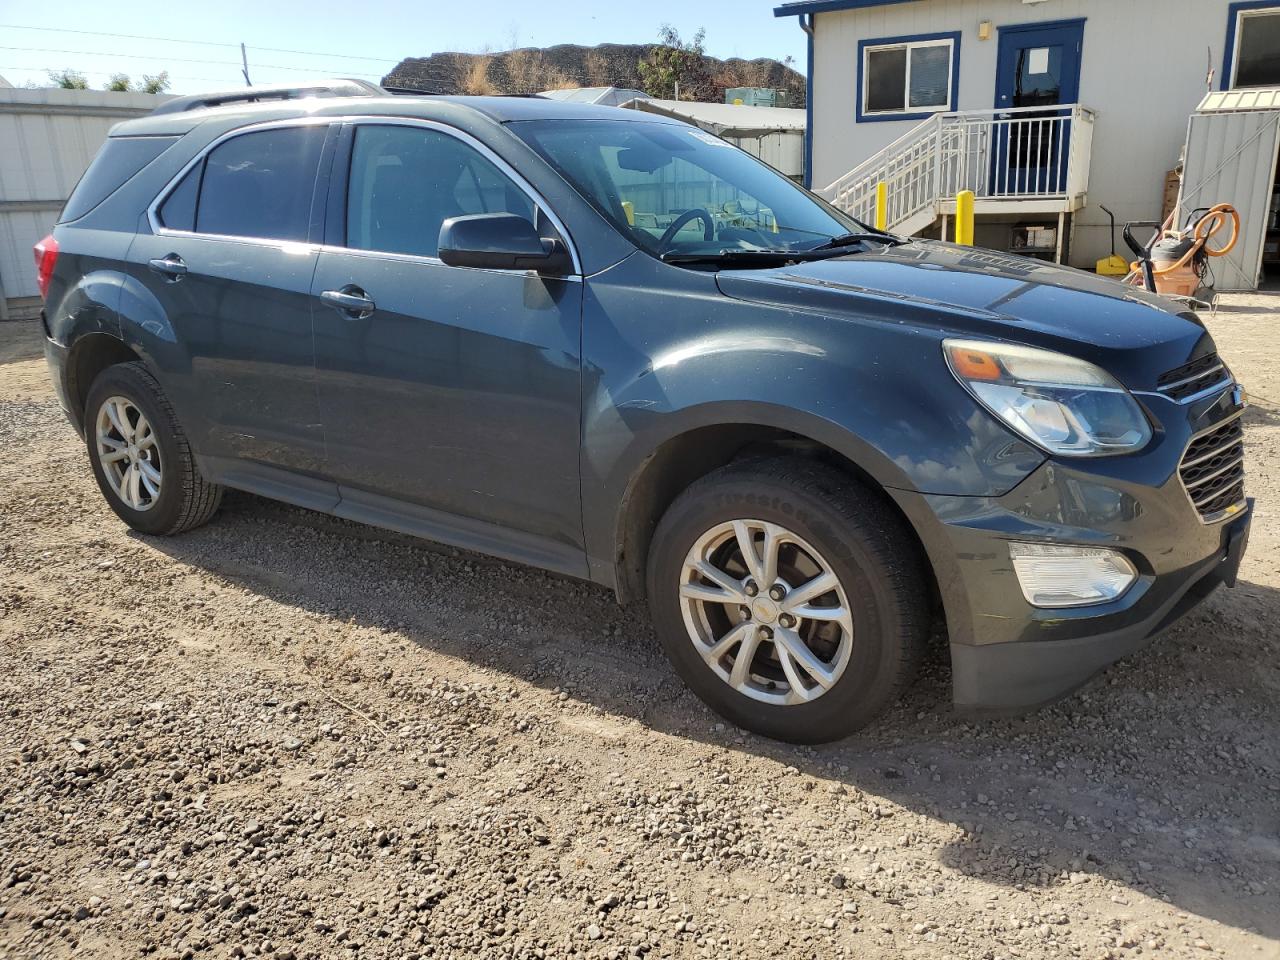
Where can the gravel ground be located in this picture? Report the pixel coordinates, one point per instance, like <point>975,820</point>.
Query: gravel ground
<point>285,735</point>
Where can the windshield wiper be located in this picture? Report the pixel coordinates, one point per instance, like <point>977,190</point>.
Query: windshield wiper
<point>849,239</point>
<point>745,256</point>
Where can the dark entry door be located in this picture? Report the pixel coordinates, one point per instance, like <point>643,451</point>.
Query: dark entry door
<point>1038,69</point>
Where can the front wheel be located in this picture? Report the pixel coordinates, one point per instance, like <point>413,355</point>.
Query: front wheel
<point>789,598</point>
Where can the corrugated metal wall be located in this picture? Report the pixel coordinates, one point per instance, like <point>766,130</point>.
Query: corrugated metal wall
<point>47,138</point>
<point>1231,158</point>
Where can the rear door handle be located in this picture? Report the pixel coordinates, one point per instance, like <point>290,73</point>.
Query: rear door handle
<point>171,267</point>
<point>350,301</point>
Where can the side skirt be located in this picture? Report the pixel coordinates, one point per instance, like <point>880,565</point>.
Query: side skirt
<point>392,514</point>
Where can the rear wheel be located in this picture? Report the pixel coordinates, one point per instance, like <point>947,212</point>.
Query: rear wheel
<point>140,454</point>
<point>789,598</point>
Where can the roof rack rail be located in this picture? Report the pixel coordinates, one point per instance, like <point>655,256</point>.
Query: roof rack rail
<point>339,87</point>
<point>415,92</point>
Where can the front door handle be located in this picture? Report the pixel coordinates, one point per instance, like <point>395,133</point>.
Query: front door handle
<point>171,267</point>
<point>350,301</point>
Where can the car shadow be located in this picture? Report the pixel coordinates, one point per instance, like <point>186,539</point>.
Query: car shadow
<point>1137,779</point>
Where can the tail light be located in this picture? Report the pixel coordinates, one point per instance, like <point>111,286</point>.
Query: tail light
<point>46,252</point>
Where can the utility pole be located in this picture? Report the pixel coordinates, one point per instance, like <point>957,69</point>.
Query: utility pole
<point>244,60</point>
<point>677,89</point>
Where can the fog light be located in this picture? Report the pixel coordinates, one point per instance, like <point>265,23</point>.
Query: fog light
<point>1054,576</point>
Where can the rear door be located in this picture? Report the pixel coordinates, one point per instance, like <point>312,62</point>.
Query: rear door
<point>453,395</point>
<point>228,264</point>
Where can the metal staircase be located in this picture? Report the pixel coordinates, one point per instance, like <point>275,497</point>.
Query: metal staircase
<point>1032,160</point>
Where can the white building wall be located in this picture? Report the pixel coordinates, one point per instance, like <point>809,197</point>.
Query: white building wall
<point>1143,70</point>
<point>47,138</point>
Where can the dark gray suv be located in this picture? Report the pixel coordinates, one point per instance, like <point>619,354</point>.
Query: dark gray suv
<point>616,347</point>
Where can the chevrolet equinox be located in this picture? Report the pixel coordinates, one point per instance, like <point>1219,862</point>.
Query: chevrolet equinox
<point>614,346</point>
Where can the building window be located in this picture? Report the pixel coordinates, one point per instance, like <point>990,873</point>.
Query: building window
<point>1253,46</point>
<point>905,78</point>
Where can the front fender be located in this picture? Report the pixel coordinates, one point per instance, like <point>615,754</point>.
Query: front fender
<point>668,354</point>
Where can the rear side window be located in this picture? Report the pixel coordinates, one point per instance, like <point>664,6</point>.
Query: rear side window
<point>118,160</point>
<point>178,212</point>
<point>258,185</point>
<point>406,181</point>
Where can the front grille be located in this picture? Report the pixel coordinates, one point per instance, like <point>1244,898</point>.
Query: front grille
<point>1199,376</point>
<point>1212,470</point>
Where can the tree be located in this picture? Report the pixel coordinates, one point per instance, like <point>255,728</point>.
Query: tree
<point>155,84</point>
<point>119,83</point>
<point>68,79</point>
<point>674,61</point>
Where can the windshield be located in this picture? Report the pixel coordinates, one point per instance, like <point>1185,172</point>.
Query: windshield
<point>676,190</point>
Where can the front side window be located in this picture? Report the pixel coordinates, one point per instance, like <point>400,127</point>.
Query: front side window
<point>406,181</point>
<point>672,188</point>
<point>911,76</point>
<point>257,185</point>
<point>1256,60</point>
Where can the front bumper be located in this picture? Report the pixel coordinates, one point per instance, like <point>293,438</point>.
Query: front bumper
<point>1009,655</point>
<point>1024,674</point>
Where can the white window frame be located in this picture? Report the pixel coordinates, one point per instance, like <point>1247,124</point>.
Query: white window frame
<point>1241,17</point>
<point>948,42</point>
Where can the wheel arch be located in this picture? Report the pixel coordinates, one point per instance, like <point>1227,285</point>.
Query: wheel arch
<point>690,455</point>
<point>87,357</point>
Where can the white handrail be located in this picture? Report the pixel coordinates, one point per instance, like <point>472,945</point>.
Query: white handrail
<point>1018,154</point>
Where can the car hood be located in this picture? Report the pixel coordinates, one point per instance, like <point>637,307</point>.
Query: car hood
<point>984,294</point>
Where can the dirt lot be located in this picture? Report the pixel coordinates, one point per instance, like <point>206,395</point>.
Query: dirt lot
<point>287,735</point>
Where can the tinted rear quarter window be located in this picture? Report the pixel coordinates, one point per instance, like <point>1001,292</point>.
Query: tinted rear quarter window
<point>178,212</point>
<point>118,160</point>
<point>260,184</point>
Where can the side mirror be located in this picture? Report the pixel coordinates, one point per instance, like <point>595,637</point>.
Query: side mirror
<point>501,241</point>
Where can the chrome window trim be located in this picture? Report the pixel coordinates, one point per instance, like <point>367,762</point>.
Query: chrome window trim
<point>506,168</point>
<point>153,210</point>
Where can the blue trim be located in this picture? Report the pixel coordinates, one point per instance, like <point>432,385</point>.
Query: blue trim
<point>828,6</point>
<point>808,112</point>
<point>1043,25</point>
<point>1233,19</point>
<point>861,117</point>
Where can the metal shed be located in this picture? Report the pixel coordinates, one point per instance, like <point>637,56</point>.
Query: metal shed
<point>1231,157</point>
<point>47,138</point>
<point>774,134</point>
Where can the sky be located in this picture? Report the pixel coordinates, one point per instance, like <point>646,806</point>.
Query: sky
<point>290,41</point>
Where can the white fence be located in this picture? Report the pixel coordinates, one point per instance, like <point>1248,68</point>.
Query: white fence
<point>1030,153</point>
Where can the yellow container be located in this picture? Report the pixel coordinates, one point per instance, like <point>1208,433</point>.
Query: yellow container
<point>1113,266</point>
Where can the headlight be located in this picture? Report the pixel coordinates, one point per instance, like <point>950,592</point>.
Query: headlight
<point>1063,405</point>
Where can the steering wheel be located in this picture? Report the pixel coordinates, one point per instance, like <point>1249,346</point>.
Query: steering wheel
<point>697,213</point>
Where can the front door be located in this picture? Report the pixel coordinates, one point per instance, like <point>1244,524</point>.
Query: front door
<point>1038,69</point>
<point>452,395</point>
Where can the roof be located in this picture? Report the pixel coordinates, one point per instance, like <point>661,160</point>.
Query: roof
<point>499,109</point>
<point>726,118</point>
<point>800,7</point>
<point>1241,100</point>
<point>603,96</point>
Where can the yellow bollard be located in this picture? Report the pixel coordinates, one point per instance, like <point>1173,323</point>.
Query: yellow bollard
<point>964,218</point>
<point>882,206</point>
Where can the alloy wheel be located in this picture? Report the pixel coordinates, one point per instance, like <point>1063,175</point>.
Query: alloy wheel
<point>766,612</point>
<point>128,452</point>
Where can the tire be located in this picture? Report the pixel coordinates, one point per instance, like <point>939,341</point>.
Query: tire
<point>834,524</point>
<point>183,499</point>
